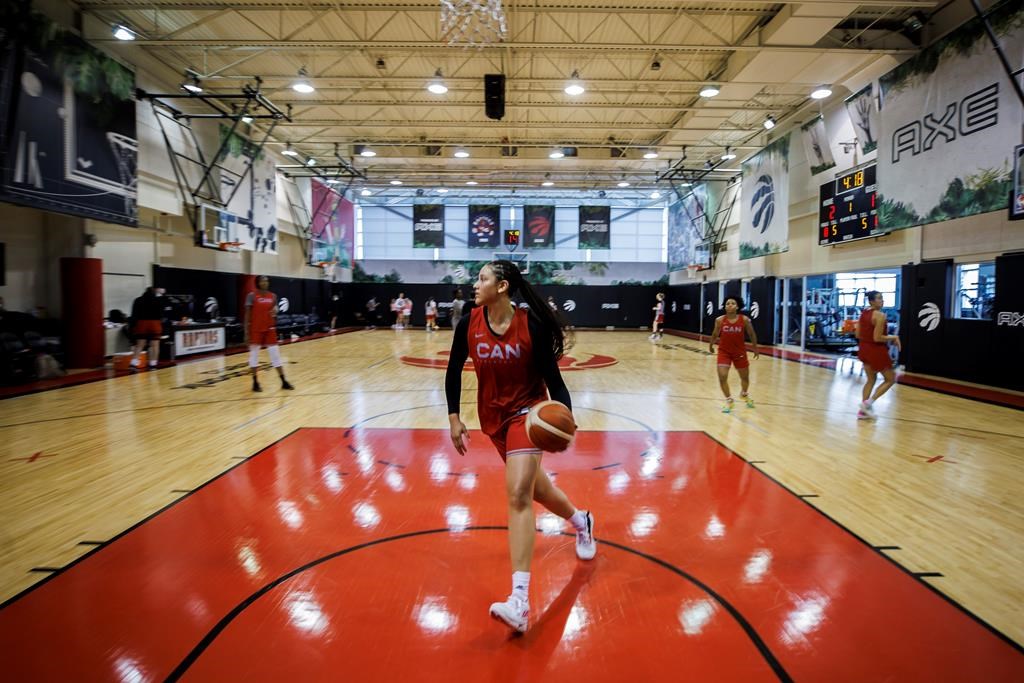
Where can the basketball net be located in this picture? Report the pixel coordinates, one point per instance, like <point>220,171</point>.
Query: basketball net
<point>126,153</point>
<point>475,23</point>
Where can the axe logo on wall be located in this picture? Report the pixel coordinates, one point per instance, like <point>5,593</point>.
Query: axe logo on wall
<point>569,305</point>
<point>755,310</point>
<point>282,305</point>
<point>929,316</point>
<point>709,308</point>
<point>1010,319</point>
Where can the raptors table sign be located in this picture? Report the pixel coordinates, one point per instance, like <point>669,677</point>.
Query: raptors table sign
<point>190,339</point>
<point>848,208</point>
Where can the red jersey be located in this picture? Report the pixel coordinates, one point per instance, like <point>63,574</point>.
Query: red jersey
<point>262,306</point>
<point>732,336</point>
<point>507,379</point>
<point>866,330</point>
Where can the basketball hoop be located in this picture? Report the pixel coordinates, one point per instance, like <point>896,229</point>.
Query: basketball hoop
<point>329,269</point>
<point>233,247</point>
<point>476,23</point>
<point>692,270</point>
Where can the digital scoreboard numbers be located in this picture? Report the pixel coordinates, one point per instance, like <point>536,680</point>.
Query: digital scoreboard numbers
<point>512,238</point>
<point>848,209</point>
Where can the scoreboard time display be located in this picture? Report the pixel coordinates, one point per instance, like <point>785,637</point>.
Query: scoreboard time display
<point>512,238</point>
<point>848,207</point>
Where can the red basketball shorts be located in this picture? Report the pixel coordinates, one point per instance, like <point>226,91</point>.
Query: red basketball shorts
<point>739,360</point>
<point>511,438</point>
<point>263,337</point>
<point>875,356</point>
<point>148,329</point>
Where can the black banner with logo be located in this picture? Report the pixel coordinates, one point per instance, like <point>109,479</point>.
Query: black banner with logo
<point>711,307</point>
<point>428,226</point>
<point>539,222</point>
<point>924,316</point>
<point>1009,319</point>
<point>69,140</point>
<point>761,308</point>
<point>484,225</point>
<point>595,227</point>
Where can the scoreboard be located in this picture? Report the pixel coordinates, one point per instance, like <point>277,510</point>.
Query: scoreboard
<point>848,207</point>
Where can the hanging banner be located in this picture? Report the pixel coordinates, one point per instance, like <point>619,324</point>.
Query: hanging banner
<point>484,225</point>
<point>248,186</point>
<point>68,120</point>
<point>428,226</point>
<point>863,110</point>
<point>1017,197</point>
<point>764,193</point>
<point>688,222</point>
<point>595,227</point>
<point>819,152</point>
<point>332,237</point>
<point>540,226</point>
<point>950,122</point>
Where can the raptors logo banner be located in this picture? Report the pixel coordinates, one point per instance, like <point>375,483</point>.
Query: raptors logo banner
<point>764,194</point>
<point>484,225</point>
<point>540,226</point>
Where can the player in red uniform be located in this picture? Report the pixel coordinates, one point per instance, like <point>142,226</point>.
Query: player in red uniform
<point>732,328</point>
<point>515,354</point>
<point>659,317</point>
<point>873,351</point>
<point>261,330</point>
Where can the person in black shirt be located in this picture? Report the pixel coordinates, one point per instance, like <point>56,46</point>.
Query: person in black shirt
<point>147,326</point>
<point>335,310</point>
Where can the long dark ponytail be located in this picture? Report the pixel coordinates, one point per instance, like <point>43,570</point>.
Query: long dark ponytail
<point>550,319</point>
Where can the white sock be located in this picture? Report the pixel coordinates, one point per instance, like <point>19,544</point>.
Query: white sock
<point>521,585</point>
<point>867,403</point>
<point>579,520</point>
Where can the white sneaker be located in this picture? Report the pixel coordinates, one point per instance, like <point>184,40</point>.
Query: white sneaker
<point>515,612</point>
<point>152,363</point>
<point>134,362</point>
<point>586,545</point>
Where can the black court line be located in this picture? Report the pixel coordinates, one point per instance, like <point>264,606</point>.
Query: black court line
<point>42,570</point>
<point>391,464</point>
<point>807,495</point>
<point>225,621</point>
<point>922,575</point>
<point>605,467</point>
<point>756,462</point>
<point>61,570</point>
<point>992,629</point>
<point>91,542</point>
<point>181,491</point>
<point>887,547</point>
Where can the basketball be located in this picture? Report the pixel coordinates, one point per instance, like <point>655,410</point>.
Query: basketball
<point>550,427</point>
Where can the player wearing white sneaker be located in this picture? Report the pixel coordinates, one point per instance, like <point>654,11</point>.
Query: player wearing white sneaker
<point>515,356</point>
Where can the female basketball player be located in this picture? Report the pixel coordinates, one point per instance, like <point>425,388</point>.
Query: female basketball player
<point>430,310</point>
<point>261,330</point>
<point>732,328</point>
<point>873,351</point>
<point>515,354</point>
<point>659,317</point>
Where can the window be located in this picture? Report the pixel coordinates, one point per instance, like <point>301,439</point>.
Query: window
<point>853,288</point>
<point>974,293</point>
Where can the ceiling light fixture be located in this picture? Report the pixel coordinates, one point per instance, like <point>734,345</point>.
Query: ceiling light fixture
<point>365,192</point>
<point>655,195</point>
<point>709,91</point>
<point>556,154</point>
<point>396,182</point>
<point>122,32</point>
<point>367,152</point>
<point>821,92</point>
<point>471,182</point>
<point>729,154</point>
<point>547,183</point>
<point>311,162</point>
<point>575,86</point>
<point>289,152</point>
<point>623,183</point>
<point>461,153</point>
<point>191,83</point>
<point>651,154</point>
<point>302,85</point>
<point>246,119</point>
<point>769,122</point>
<point>437,85</point>
<point>442,190</point>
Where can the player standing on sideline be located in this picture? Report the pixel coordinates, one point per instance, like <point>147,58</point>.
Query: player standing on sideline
<point>659,317</point>
<point>457,306</point>
<point>398,306</point>
<point>430,310</point>
<point>147,326</point>
<point>515,355</point>
<point>873,351</point>
<point>261,330</point>
<point>732,328</point>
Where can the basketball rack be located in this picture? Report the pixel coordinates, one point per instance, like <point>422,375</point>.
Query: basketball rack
<point>250,103</point>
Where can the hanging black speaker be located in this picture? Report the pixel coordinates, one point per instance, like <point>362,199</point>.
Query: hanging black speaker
<point>494,95</point>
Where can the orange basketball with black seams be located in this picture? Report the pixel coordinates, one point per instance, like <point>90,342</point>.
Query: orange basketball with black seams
<point>550,426</point>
